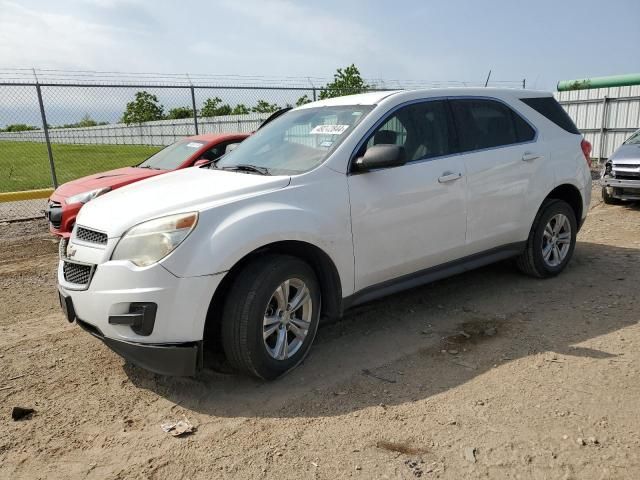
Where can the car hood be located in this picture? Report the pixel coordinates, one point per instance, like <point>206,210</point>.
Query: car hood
<point>187,190</point>
<point>112,178</point>
<point>626,154</point>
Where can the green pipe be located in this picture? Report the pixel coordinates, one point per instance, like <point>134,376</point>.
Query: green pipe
<point>599,82</point>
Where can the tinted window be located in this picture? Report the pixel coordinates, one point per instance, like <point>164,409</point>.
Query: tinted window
<point>524,131</point>
<point>486,124</point>
<point>425,130</point>
<point>552,110</point>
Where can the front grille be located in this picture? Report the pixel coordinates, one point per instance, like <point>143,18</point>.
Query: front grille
<point>627,176</point>
<point>91,236</point>
<point>626,165</point>
<point>76,273</point>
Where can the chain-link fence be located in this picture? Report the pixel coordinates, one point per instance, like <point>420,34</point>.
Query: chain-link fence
<point>54,131</point>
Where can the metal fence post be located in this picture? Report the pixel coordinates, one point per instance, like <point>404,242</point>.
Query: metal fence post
<point>193,104</point>
<point>314,94</point>
<point>603,128</point>
<point>45,128</point>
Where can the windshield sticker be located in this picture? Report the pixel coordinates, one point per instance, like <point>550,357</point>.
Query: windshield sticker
<point>326,144</point>
<point>194,145</point>
<point>329,129</point>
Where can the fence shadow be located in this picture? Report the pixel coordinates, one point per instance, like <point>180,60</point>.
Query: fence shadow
<point>395,344</point>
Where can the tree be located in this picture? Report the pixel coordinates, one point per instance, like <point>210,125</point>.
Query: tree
<point>213,107</point>
<point>240,109</point>
<point>180,112</point>
<point>19,127</point>
<point>346,81</point>
<point>87,121</point>
<point>265,107</point>
<point>303,100</point>
<point>84,122</point>
<point>144,108</point>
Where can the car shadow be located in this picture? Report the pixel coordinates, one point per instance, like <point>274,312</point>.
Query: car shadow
<point>421,342</point>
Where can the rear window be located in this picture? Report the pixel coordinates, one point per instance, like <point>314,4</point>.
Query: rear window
<point>552,110</point>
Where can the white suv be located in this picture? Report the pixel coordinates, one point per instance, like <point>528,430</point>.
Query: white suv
<point>333,204</point>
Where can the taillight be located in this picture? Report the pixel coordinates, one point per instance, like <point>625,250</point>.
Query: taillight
<point>586,150</point>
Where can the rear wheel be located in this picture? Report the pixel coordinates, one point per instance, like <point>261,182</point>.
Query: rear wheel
<point>271,316</point>
<point>551,241</point>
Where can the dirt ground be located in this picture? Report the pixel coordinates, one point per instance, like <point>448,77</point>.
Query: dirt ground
<point>489,374</point>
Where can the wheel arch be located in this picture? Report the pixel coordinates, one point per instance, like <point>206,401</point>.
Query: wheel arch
<point>570,194</point>
<point>322,264</point>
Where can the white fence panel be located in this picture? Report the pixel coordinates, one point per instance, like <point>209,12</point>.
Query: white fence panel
<point>159,132</point>
<point>606,116</point>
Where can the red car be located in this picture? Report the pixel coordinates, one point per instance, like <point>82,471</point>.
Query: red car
<point>65,203</point>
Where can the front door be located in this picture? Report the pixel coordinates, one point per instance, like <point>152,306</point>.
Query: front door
<point>413,217</point>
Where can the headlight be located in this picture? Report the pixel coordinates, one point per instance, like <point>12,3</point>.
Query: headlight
<point>149,242</point>
<point>84,197</point>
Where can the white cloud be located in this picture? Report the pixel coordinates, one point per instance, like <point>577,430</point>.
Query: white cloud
<point>248,37</point>
<point>33,37</point>
<point>309,38</point>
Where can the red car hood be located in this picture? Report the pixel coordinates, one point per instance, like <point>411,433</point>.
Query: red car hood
<point>113,178</point>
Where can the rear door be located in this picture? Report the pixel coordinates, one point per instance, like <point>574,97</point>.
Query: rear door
<point>500,156</point>
<point>409,218</point>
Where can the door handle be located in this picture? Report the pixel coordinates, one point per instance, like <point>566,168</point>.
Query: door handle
<point>449,177</point>
<point>529,156</point>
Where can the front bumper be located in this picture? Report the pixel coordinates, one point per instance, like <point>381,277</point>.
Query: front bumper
<point>623,189</point>
<point>61,217</point>
<point>184,359</point>
<point>171,344</point>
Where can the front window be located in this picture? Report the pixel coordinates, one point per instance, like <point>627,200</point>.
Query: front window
<point>173,156</point>
<point>424,129</point>
<point>633,139</point>
<point>298,141</point>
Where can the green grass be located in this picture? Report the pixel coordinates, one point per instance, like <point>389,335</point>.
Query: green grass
<point>25,165</point>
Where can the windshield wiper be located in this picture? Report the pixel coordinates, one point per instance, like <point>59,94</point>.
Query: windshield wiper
<point>245,167</point>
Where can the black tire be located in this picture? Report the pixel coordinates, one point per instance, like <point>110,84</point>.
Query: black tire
<point>242,323</point>
<point>531,261</point>
<point>608,199</point>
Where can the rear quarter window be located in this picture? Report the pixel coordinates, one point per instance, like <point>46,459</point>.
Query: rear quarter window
<point>553,111</point>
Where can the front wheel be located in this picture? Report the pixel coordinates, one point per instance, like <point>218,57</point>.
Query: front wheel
<point>551,241</point>
<point>271,316</point>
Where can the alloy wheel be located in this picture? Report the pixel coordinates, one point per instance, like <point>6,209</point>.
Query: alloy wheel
<point>556,240</point>
<point>287,319</point>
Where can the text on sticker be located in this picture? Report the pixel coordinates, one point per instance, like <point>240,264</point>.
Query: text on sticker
<point>329,129</point>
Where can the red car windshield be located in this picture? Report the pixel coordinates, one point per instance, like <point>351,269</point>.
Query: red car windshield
<point>171,157</point>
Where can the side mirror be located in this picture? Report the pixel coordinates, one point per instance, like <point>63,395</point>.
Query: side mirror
<point>381,156</point>
<point>200,162</point>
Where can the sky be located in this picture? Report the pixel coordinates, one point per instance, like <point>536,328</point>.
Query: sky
<point>541,40</point>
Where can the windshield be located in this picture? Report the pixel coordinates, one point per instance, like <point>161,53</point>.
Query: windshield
<point>633,139</point>
<point>298,141</point>
<point>173,156</point>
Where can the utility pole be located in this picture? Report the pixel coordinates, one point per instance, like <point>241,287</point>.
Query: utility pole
<point>45,129</point>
